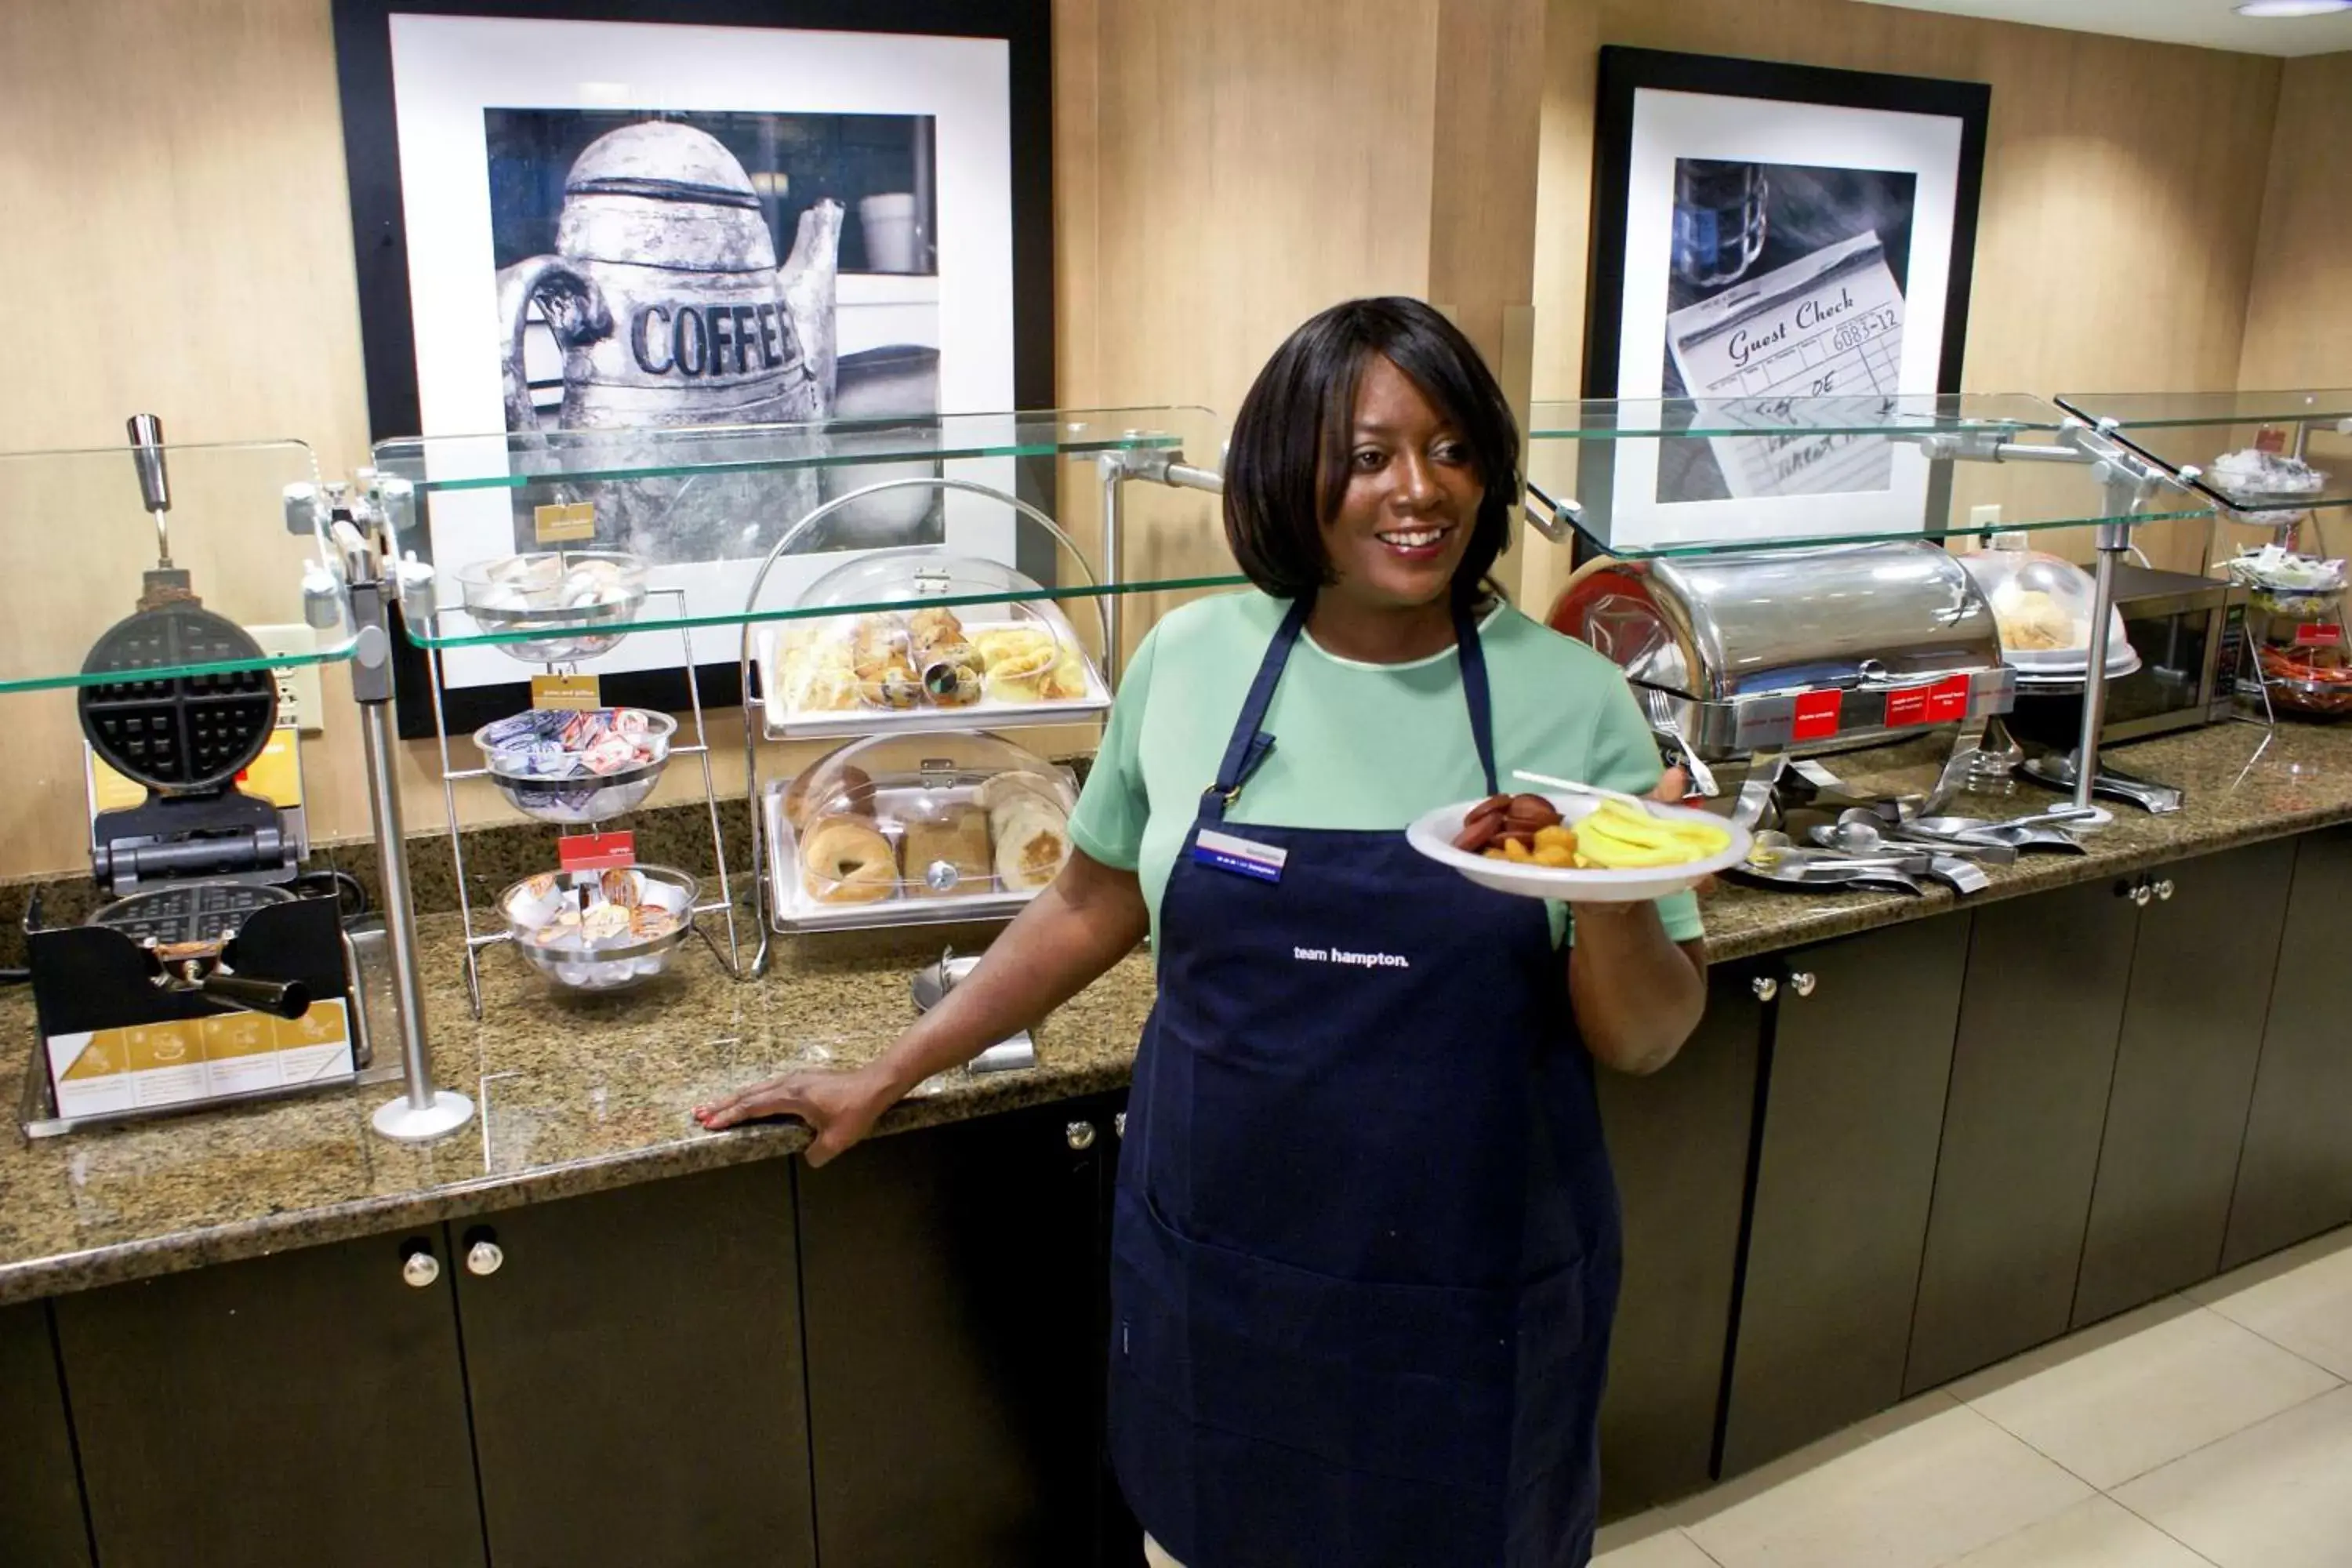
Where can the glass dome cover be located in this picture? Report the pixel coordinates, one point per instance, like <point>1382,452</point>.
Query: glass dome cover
<point>976,643</point>
<point>897,829</point>
<point>2042,605</point>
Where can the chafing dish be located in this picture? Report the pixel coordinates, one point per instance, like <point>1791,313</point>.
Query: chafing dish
<point>1756,657</point>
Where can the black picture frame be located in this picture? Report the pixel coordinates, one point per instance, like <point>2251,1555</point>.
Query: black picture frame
<point>1625,72</point>
<point>379,241</point>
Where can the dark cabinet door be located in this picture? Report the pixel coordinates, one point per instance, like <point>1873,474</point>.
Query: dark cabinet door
<point>2184,1076</point>
<point>950,1284</point>
<point>2040,1017</point>
<point>633,1359</point>
<point>1119,1539</point>
<point>2295,1177</point>
<point>1845,1167</point>
<point>41,1522</point>
<point>1679,1141</point>
<point>304,1408</point>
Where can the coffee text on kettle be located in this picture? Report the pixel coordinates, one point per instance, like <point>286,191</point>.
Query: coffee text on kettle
<point>698,341</point>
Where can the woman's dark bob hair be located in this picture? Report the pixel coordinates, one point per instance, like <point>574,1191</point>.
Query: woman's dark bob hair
<point>1287,465</point>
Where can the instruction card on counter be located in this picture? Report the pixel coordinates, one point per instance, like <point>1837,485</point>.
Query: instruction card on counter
<point>96,1072</point>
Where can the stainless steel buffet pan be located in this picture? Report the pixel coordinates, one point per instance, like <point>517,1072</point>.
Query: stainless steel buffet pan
<point>1796,650</point>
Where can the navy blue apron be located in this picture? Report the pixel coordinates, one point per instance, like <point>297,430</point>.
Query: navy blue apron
<point>1365,1242</point>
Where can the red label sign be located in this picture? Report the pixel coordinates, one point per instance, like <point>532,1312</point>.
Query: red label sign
<point>1945,702</point>
<point>2318,633</point>
<point>1816,716</point>
<point>596,851</point>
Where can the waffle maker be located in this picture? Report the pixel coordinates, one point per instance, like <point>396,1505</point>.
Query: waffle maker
<point>203,915</point>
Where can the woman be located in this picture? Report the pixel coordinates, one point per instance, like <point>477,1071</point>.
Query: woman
<point>1365,1245</point>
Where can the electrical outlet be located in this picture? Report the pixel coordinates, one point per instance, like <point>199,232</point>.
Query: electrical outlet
<point>298,699</point>
<point>1984,519</point>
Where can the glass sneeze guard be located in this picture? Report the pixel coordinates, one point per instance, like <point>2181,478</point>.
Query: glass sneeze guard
<point>704,506</point>
<point>2259,455</point>
<point>1646,477</point>
<point>88,553</point>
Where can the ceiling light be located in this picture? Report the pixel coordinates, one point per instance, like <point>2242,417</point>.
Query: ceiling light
<point>2292,7</point>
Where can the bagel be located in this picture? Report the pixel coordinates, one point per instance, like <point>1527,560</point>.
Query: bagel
<point>846,791</point>
<point>1031,845</point>
<point>1001,789</point>
<point>845,861</point>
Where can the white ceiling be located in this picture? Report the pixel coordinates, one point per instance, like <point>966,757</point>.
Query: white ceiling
<point>2210,23</point>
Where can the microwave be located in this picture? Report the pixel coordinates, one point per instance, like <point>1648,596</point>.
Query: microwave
<point>2191,636</point>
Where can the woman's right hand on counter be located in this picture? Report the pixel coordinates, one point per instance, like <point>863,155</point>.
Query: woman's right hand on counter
<point>1086,920</point>
<point>840,1108</point>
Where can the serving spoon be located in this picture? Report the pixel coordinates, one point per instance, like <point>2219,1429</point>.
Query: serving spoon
<point>1859,831</point>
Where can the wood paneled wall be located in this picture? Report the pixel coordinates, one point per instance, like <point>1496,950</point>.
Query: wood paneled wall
<point>178,235</point>
<point>2299,326</point>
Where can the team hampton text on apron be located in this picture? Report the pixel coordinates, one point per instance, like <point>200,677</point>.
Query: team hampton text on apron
<point>1365,1244</point>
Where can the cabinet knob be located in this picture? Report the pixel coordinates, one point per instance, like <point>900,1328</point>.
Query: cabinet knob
<point>2142,893</point>
<point>1765,988</point>
<point>1119,1125</point>
<point>420,1268</point>
<point>1080,1134</point>
<point>2164,888</point>
<point>1801,983</point>
<point>485,1258</point>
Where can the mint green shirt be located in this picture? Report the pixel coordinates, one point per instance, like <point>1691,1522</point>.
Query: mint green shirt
<point>1357,746</point>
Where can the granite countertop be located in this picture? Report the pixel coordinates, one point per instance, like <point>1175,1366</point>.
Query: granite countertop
<point>578,1095</point>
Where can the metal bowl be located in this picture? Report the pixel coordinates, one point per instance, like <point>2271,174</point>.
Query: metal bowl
<point>576,799</point>
<point>575,962</point>
<point>541,593</point>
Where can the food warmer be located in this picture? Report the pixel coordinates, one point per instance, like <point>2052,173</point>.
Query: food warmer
<point>1756,657</point>
<point>914,830</point>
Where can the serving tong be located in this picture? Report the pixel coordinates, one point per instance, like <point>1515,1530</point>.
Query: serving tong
<point>1778,859</point>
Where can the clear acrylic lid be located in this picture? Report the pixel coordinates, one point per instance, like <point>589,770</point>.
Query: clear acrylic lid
<point>893,779</point>
<point>891,827</point>
<point>2041,603</point>
<point>921,574</point>
<point>937,634</point>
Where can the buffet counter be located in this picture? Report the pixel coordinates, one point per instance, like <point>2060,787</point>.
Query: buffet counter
<point>581,1094</point>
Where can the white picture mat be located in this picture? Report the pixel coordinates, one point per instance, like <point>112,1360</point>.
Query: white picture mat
<point>447,70</point>
<point>1669,126</point>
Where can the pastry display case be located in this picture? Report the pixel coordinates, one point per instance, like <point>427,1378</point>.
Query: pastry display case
<point>1004,654</point>
<point>915,830</point>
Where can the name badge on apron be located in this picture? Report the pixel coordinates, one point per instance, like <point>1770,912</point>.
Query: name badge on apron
<point>1242,857</point>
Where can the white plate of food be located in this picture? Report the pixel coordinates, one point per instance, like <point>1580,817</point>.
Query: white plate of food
<point>1634,851</point>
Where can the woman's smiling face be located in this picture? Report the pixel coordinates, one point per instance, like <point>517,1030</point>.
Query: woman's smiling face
<point>1412,499</point>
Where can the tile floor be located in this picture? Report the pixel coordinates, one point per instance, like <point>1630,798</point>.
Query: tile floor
<point>2212,1429</point>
